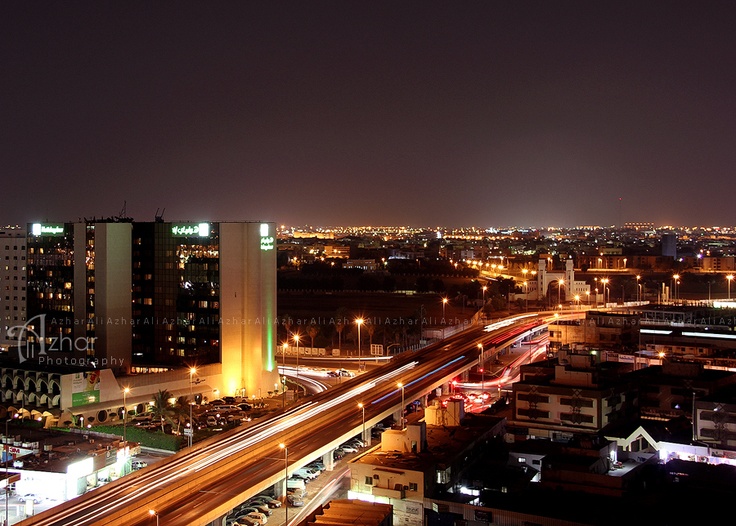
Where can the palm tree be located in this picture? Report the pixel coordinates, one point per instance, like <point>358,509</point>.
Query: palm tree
<point>181,411</point>
<point>339,326</point>
<point>162,410</point>
<point>313,331</point>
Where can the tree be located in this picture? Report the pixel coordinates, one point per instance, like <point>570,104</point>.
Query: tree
<point>162,411</point>
<point>313,331</point>
<point>181,411</point>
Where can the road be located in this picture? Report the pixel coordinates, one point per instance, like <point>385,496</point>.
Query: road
<point>202,483</point>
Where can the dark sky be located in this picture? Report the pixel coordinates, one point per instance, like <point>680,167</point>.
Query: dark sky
<point>419,113</point>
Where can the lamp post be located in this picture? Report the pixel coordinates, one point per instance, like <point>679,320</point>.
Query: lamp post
<point>729,278</point>
<point>444,302</point>
<point>359,322</point>
<point>192,372</point>
<point>7,476</point>
<point>482,370</point>
<point>283,380</point>
<point>125,414</point>
<point>296,339</point>
<point>604,281</point>
<point>560,283</point>
<point>362,407</point>
<point>638,288</point>
<point>401,386</point>
<point>485,287</point>
<point>286,478</point>
<point>675,282</point>
<point>154,513</point>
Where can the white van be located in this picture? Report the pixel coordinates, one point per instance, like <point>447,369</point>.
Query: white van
<point>295,484</point>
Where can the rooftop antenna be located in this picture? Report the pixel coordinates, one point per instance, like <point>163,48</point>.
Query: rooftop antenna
<point>160,218</point>
<point>123,212</point>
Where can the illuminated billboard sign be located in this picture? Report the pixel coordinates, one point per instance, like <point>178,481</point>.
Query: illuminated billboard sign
<point>267,240</point>
<point>186,230</point>
<point>39,229</point>
<point>85,388</point>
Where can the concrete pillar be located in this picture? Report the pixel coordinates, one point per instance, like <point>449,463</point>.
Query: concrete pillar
<point>329,460</point>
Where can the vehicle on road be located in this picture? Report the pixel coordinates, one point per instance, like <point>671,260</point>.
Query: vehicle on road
<point>30,497</point>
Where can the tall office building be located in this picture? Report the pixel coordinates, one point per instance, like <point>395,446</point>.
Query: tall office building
<point>79,308</point>
<point>669,245</point>
<point>12,282</point>
<point>154,295</point>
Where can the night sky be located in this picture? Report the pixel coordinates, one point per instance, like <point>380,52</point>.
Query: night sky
<point>419,113</point>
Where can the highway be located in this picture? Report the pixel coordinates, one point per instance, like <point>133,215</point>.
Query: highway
<point>200,484</point>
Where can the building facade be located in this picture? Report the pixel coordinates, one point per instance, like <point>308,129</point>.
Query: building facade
<point>12,282</point>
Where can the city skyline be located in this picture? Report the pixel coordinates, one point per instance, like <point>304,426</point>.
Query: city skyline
<point>333,113</point>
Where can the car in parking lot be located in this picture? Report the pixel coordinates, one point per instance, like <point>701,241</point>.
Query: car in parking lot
<point>261,508</point>
<point>30,497</point>
<point>347,448</point>
<point>138,464</point>
<point>260,518</point>
<point>295,501</point>
<point>268,501</point>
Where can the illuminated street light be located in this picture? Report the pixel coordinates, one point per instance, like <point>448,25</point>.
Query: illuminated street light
<point>296,339</point>
<point>7,476</point>
<point>125,413</point>
<point>192,372</point>
<point>401,386</point>
<point>286,484</point>
<point>638,288</point>
<point>605,290</point>
<point>154,513</point>
<point>485,287</point>
<point>676,281</point>
<point>729,278</point>
<point>284,346</point>
<point>560,283</point>
<point>359,322</point>
<point>362,407</point>
<point>482,371</point>
<point>444,302</point>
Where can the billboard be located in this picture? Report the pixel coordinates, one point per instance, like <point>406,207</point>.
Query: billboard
<point>85,388</point>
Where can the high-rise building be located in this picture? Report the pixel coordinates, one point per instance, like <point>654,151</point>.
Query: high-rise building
<point>12,281</point>
<point>152,295</point>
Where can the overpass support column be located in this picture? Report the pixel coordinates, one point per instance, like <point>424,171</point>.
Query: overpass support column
<point>328,459</point>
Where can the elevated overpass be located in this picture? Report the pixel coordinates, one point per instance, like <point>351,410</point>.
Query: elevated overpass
<point>200,485</point>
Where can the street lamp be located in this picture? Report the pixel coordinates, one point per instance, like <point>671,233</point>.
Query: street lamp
<point>362,407</point>
<point>638,288</point>
<point>125,414</point>
<point>286,484</point>
<point>485,287</point>
<point>359,322</point>
<point>444,302</point>
<point>401,385</point>
<point>283,378</point>
<point>296,339</point>
<point>605,290</point>
<point>192,372</point>
<point>676,281</point>
<point>560,283</point>
<point>7,476</point>
<point>154,513</point>
<point>480,363</point>
<point>729,278</point>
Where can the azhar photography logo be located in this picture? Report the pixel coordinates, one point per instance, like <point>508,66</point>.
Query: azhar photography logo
<point>33,345</point>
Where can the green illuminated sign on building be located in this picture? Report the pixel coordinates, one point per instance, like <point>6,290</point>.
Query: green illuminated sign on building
<point>38,229</point>
<point>267,240</point>
<point>200,230</point>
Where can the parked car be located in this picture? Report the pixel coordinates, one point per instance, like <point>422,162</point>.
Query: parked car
<point>261,508</point>
<point>295,501</point>
<point>259,517</point>
<point>138,464</point>
<point>347,448</point>
<point>244,521</point>
<point>268,501</point>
